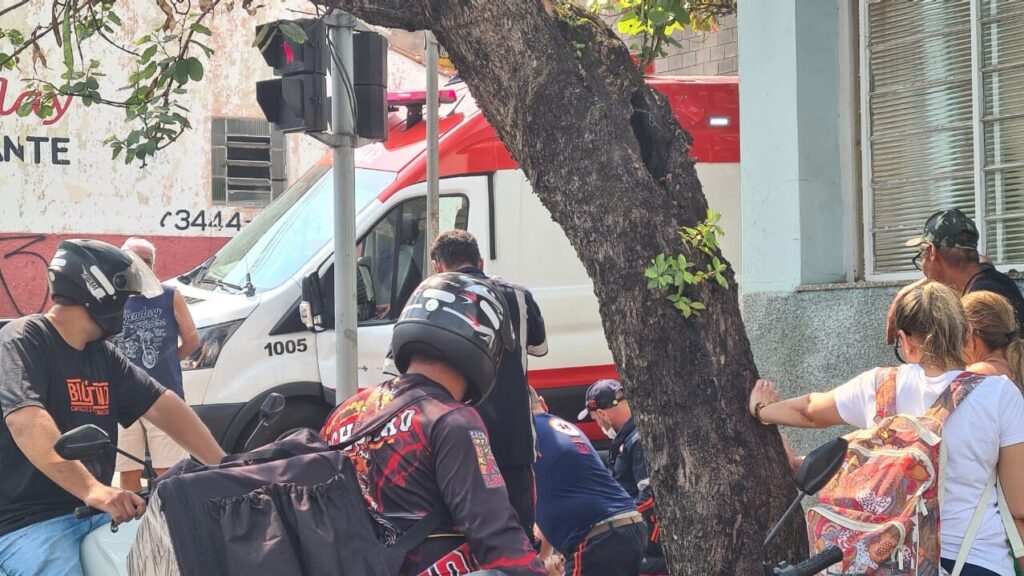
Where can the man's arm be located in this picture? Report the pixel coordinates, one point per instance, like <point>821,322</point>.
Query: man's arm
<point>170,414</point>
<point>536,334</point>
<point>186,327</point>
<point>474,492</point>
<point>34,431</point>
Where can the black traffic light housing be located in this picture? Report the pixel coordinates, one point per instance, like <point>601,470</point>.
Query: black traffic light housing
<point>297,102</point>
<point>370,77</point>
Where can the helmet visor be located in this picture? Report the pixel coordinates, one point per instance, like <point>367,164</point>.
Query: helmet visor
<point>138,278</point>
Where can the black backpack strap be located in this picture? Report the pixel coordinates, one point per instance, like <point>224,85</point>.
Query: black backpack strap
<point>421,529</point>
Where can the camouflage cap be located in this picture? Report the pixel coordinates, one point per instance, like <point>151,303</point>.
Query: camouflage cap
<point>948,229</point>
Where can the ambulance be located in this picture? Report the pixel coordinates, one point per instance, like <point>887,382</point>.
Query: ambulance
<point>245,299</point>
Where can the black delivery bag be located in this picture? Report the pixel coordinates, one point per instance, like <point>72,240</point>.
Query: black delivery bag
<point>293,507</point>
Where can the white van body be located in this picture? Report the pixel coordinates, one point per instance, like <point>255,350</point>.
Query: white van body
<point>245,300</point>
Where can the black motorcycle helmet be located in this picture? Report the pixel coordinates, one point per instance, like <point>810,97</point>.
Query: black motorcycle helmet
<point>460,319</point>
<point>100,277</point>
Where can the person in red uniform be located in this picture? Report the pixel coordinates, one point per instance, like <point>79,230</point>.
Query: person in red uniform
<point>435,452</point>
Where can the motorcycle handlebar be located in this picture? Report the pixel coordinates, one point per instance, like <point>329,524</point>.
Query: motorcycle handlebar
<point>816,563</point>
<point>82,512</point>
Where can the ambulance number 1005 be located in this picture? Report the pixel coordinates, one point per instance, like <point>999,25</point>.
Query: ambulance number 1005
<point>285,347</point>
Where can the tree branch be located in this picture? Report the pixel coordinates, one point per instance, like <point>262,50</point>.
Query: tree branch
<point>14,6</point>
<point>405,14</point>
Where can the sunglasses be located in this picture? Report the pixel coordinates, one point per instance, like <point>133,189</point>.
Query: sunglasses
<point>921,252</point>
<point>897,346</point>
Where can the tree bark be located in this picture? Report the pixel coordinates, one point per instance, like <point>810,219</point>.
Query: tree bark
<point>607,157</point>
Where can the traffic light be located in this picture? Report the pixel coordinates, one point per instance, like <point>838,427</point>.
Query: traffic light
<point>296,102</point>
<point>370,77</point>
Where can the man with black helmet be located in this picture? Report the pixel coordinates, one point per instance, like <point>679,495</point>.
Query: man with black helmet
<point>58,372</point>
<point>434,457</point>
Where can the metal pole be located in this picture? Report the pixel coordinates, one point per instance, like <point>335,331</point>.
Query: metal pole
<point>433,191</point>
<point>341,25</point>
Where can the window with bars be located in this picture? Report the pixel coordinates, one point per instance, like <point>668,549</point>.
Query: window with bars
<point>249,162</point>
<point>942,101</point>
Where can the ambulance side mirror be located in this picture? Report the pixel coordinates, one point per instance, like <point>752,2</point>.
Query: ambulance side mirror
<point>311,307</point>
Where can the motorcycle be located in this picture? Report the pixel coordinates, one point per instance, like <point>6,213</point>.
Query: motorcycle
<point>104,551</point>
<point>817,469</point>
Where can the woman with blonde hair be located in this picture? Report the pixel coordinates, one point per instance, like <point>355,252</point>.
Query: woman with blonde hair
<point>994,343</point>
<point>984,434</point>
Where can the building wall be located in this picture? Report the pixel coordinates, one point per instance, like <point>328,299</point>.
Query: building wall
<point>703,53</point>
<point>73,188</point>
<point>807,334</point>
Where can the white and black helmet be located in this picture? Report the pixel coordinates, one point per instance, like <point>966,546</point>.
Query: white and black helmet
<point>460,319</point>
<point>100,277</point>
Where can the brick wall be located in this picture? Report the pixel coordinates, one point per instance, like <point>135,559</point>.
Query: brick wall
<point>703,54</point>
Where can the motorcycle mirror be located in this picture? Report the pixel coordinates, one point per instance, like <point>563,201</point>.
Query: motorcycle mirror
<point>821,465</point>
<point>271,408</point>
<point>82,443</point>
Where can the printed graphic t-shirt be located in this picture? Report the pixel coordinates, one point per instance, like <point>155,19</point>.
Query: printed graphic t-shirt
<point>97,385</point>
<point>992,417</point>
<point>150,338</point>
<point>433,454</point>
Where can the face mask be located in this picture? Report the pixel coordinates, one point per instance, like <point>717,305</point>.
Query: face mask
<point>609,432</point>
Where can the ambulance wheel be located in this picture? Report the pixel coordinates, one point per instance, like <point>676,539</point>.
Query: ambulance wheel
<point>299,413</point>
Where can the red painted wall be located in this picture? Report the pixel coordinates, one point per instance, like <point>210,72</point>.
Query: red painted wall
<point>24,257</point>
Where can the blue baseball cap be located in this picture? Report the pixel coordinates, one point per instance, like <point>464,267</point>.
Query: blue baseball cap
<point>602,395</point>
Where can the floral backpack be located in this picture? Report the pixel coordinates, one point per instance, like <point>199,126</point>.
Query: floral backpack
<point>882,508</point>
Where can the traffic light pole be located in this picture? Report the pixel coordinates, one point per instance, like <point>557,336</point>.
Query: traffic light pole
<point>340,28</point>
<point>433,189</point>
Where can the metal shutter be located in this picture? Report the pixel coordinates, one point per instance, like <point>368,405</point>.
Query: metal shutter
<point>917,109</point>
<point>1001,38</point>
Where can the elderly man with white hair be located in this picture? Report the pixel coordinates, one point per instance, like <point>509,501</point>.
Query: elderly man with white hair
<point>158,333</point>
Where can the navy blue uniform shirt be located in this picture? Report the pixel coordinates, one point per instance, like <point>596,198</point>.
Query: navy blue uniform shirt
<point>574,489</point>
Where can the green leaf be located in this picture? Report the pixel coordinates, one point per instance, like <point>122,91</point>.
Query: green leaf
<point>206,49</point>
<point>200,29</point>
<point>722,281</point>
<point>65,33</point>
<point>179,72</point>
<point>697,305</point>
<point>114,18</point>
<point>142,40</point>
<point>195,69</point>
<point>650,273</point>
<point>148,54</point>
<point>293,32</point>
<point>92,83</point>
<point>16,37</point>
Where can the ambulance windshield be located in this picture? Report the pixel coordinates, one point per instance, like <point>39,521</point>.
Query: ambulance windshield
<point>290,231</point>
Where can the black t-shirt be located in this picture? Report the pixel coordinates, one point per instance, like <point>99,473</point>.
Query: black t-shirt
<point>506,410</point>
<point>97,385</point>
<point>993,280</point>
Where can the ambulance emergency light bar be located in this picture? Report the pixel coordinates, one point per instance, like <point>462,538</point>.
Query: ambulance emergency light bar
<point>414,101</point>
<point>418,98</point>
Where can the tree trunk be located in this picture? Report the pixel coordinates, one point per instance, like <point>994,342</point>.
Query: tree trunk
<point>607,157</point>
